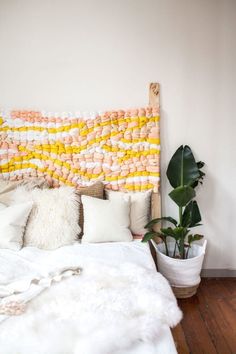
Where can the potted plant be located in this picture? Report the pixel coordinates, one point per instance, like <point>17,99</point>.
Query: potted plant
<point>178,259</point>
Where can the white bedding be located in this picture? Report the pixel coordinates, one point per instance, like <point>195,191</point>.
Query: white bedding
<point>54,323</point>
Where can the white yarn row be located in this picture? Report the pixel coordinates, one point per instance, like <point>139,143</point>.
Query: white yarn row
<point>40,136</point>
<point>83,164</point>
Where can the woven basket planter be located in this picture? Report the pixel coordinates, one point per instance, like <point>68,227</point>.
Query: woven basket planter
<point>184,292</point>
<point>182,274</point>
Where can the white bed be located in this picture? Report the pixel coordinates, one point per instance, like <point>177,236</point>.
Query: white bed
<point>107,254</point>
<point>96,298</point>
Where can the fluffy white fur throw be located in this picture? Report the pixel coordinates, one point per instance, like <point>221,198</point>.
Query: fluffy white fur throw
<point>54,219</point>
<point>104,310</point>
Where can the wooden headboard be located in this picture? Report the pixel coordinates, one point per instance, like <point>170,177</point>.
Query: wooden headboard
<point>120,148</point>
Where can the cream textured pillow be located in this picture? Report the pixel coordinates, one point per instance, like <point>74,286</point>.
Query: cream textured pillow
<point>12,224</point>
<point>139,211</point>
<point>106,220</point>
<point>53,221</point>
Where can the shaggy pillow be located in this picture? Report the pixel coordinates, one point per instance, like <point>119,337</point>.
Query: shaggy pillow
<point>53,221</point>
<point>96,190</point>
<point>140,208</point>
<point>7,188</point>
<point>106,220</point>
<point>12,224</point>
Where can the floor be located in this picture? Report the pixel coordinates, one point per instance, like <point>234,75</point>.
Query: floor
<point>209,324</point>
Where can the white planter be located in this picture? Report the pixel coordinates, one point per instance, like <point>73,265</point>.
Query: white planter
<point>181,272</point>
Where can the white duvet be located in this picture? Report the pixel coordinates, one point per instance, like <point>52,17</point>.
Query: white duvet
<point>112,306</point>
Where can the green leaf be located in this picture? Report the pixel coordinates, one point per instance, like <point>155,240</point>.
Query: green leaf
<point>182,169</point>
<point>182,195</point>
<point>168,231</point>
<point>196,237</point>
<point>181,231</point>
<point>177,232</point>
<point>200,165</point>
<point>149,235</point>
<point>191,215</point>
<point>156,221</point>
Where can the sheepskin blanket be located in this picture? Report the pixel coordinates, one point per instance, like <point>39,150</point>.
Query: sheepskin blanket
<point>104,310</point>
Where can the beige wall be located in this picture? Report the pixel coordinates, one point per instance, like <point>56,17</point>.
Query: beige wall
<point>86,55</point>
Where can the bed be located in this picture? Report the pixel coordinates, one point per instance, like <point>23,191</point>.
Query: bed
<point>89,296</point>
<point>40,340</point>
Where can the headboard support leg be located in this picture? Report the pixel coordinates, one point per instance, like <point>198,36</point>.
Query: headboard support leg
<point>154,101</point>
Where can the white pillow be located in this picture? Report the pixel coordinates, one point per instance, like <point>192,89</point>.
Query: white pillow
<point>139,211</point>
<point>54,220</point>
<point>106,220</point>
<point>13,220</point>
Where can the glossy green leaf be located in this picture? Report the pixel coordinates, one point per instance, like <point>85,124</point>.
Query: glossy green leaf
<point>200,165</point>
<point>158,220</point>
<point>181,231</point>
<point>168,231</point>
<point>177,232</point>
<point>182,169</point>
<point>149,235</point>
<point>191,215</point>
<point>182,195</point>
<point>196,237</point>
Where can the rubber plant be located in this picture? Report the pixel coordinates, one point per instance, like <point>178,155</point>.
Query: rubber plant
<point>184,175</point>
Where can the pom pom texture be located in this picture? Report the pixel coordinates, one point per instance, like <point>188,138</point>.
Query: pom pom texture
<point>120,148</point>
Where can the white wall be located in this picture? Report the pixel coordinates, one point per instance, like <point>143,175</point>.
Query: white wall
<point>88,54</point>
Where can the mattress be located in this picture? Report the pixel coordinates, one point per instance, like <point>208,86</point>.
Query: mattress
<point>110,254</point>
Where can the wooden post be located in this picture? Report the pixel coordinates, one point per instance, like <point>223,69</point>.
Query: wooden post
<point>154,95</point>
<point>154,101</point>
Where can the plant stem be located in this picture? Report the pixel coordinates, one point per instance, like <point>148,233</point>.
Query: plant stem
<point>178,246</point>
<point>181,247</point>
<point>181,241</point>
<point>180,216</point>
<point>167,252</point>
<point>175,249</point>
<point>187,251</point>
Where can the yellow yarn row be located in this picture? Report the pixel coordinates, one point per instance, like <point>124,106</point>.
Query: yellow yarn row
<point>10,168</point>
<point>141,122</point>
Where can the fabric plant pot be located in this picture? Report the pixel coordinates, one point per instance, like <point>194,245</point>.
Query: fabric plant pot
<point>182,274</point>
